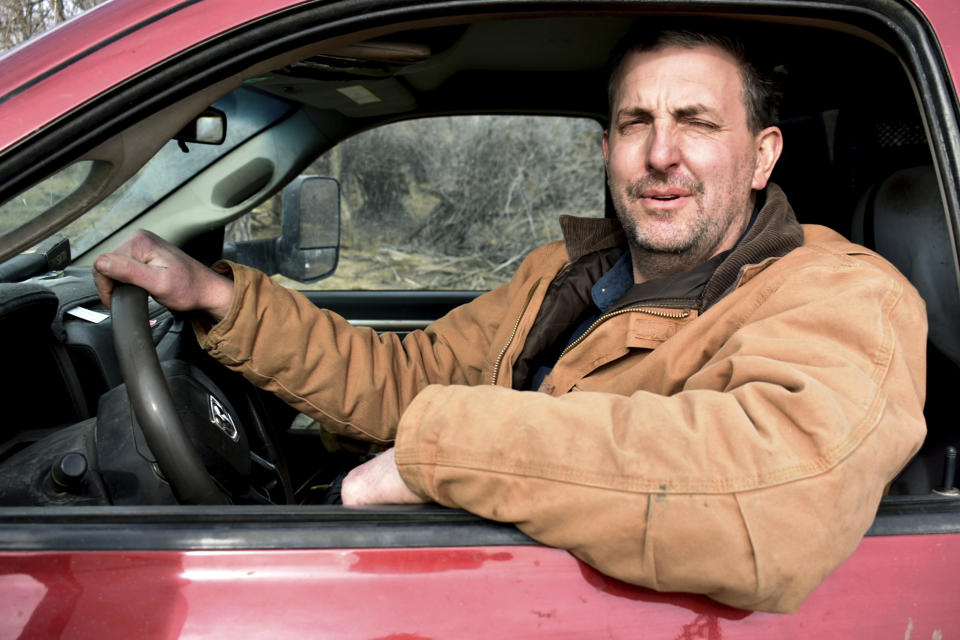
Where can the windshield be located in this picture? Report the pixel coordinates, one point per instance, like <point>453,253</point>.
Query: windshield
<point>248,112</point>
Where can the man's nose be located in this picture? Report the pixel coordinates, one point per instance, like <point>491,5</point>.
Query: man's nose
<point>662,150</point>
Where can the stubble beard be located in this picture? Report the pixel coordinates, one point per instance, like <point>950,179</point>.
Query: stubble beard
<point>659,257</point>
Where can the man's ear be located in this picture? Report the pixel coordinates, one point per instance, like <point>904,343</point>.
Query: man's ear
<point>605,147</point>
<point>769,147</point>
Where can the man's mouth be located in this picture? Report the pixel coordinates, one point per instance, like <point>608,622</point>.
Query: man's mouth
<point>664,195</point>
<point>661,192</point>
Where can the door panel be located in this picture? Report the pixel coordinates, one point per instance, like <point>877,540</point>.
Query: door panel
<point>892,587</point>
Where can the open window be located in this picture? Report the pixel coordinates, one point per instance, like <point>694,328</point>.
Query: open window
<point>433,128</point>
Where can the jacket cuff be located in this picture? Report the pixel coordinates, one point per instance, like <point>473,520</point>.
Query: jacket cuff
<point>416,447</point>
<point>210,336</point>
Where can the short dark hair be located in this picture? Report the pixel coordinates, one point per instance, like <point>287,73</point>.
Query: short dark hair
<point>761,94</point>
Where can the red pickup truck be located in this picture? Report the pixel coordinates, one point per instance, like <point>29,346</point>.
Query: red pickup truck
<point>263,130</point>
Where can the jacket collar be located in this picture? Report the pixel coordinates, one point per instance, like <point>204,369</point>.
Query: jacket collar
<point>775,233</point>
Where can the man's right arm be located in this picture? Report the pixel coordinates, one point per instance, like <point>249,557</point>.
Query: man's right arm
<point>351,379</point>
<point>173,278</point>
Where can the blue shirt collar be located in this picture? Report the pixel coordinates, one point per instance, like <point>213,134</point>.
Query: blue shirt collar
<point>614,283</point>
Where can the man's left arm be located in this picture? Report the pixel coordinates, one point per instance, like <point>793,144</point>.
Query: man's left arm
<point>749,486</point>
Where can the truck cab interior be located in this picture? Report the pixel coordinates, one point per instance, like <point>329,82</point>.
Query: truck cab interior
<point>862,113</point>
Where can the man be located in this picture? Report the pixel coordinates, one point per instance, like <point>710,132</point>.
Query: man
<point>716,410</point>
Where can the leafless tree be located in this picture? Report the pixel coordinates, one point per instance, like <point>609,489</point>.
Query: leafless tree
<point>451,202</point>
<point>455,184</point>
<point>20,20</point>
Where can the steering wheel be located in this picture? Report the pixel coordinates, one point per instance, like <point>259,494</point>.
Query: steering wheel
<point>153,404</point>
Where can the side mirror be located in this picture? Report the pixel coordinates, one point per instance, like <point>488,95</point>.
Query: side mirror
<point>309,244</point>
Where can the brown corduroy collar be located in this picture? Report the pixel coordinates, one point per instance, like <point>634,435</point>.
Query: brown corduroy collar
<point>775,233</point>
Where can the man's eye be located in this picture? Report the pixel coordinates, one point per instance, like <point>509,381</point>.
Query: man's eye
<point>703,124</point>
<point>628,124</point>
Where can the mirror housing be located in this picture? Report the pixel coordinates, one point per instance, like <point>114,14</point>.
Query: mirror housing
<point>209,127</point>
<point>309,244</point>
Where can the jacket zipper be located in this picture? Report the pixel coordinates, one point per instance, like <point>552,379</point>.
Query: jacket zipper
<point>513,334</point>
<point>677,315</point>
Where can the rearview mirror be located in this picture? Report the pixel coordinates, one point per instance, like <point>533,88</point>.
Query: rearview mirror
<point>210,127</point>
<point>309,244</point>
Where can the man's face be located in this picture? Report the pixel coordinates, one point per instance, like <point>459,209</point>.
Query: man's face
<point>681,160</point>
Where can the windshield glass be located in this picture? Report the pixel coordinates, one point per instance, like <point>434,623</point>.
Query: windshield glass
<point>248,112</point>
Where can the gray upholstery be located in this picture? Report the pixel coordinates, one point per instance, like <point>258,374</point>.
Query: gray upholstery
<point>902,218</point>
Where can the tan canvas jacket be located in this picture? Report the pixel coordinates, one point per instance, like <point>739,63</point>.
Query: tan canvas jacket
<point>738,453</point>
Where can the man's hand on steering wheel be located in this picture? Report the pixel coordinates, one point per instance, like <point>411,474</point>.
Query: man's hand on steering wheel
<point>173,278</point>
<point>181,283</point>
